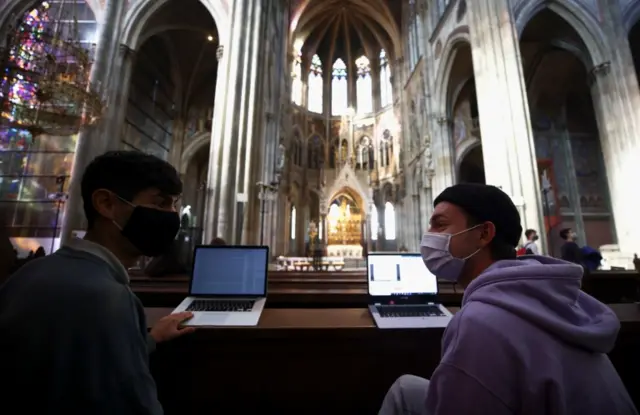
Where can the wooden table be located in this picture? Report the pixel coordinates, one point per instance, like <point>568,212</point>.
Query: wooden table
<point>315,361</point>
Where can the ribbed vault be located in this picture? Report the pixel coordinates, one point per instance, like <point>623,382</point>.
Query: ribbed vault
<point>347,29</point>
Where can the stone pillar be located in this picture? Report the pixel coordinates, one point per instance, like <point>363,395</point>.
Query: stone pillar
<point>91,142</point>
<point>616,99</point>
<point>507,138</point>
<point>210,220</point>
<point>232,152</point>
<point>114,119</point>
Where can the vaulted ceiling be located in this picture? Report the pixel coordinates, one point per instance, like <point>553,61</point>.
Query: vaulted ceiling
<point>347,29</point>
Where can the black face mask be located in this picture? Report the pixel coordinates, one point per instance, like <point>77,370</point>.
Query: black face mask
<point>535,238</point>
<point>151,231</point>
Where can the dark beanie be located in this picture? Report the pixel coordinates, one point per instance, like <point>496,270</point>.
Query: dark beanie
<point>486,203</point>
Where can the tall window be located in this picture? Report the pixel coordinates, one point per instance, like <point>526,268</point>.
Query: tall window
<point>293,222</point>
<point>339,88</point>
<point>35,168</point>
<point>296,81</point>
<point>386,91</point>
<point>375,224</point>
<point>414,30</point>
<point>364,86</point>
<point>316,85</point>
<point>389,222</point>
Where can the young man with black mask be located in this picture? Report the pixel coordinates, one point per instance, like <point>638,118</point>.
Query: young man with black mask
<point>526,339</point>
<point>73,333</point>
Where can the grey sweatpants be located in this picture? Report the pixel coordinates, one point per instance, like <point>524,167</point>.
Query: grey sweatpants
<point>407,396</point>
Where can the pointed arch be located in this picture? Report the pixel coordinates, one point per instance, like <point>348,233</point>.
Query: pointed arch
<point>339,88</point>
<point>389,222</point>
<point>296,77</point>
<point>141,11</point>
<point>574,13</point>
<point>196,143</point>
<point>315,86</point>
<point>386,90</point>
<point>364,86</point>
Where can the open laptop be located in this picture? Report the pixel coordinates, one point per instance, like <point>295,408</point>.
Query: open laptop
<point>402,292</point>
<point>228,286</point>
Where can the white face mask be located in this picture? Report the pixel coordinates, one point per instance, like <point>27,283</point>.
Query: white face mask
<point>437,256</point>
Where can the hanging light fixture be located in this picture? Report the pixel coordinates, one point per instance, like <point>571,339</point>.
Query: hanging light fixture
<point>45,83</point>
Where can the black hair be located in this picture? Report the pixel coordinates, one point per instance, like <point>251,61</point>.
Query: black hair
<point>127,173</point>
<point>529,232</point>
<point>498,248</point>
<point>564,233</point>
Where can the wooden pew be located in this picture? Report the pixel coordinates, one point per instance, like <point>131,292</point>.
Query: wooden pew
<point>348,289</point>
<point>315,361</point>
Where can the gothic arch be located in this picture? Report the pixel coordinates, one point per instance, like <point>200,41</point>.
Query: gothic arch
<point>464,148</point>
<point>578,18</point>
<point>140,12</point>
<point>630,15</point>
<point>352,194</point>
<point>196,143</point>
<point>443,73</point>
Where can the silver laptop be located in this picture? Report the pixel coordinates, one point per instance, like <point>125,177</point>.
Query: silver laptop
<point>403,293</point>
<point>228,286</point>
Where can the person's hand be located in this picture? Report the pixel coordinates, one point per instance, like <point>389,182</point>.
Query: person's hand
<point>169,327</point>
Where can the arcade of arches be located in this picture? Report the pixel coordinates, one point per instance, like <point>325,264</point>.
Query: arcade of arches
<point>333,124</point>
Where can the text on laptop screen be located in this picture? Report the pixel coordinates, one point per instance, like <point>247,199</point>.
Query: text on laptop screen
<point>402,274</point>
<point>229,271</point>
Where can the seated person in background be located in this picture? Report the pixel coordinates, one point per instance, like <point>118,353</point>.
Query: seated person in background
<point>570,251</point>
<point>526,340</point>
<point>217,242</point>
<point>73,333</point>
<point>40,252</point>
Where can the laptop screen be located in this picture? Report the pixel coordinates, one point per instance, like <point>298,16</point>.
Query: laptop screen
<point>230,270</point>
<point>400,274</point>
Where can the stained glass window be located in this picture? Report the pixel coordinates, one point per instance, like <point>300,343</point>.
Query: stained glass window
<point>339,88</point>
<point>293,222</point>
<point>386,91</point>
<point>374,223</point>
<point>316,86</point>
<point>364,86</point>
<point>389,222</point>
<point>414,32</point>
<point>34,171</point>
<point>296,81</point>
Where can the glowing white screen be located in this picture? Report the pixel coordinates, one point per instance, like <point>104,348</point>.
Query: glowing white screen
<point>401,274</point>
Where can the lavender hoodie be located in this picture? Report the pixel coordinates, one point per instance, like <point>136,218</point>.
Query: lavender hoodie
<point>528,341</point>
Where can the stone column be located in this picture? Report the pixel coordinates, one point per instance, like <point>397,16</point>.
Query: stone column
<point>114,119</point>
<point>616,99</point>
<point>91,142</point>
<point>507,138</point>
<point>233,143</point>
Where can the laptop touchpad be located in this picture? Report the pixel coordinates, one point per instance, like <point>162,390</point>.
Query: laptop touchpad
<point>208,319</point>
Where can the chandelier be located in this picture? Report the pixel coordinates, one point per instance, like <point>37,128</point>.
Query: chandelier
<point>44,84</point>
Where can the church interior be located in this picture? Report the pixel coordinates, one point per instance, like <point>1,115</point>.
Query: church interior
<point>325,129</point>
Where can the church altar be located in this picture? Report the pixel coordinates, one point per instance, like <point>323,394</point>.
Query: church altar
<point>344,230</point>
<point>284,263</point>
<point>344,251</point>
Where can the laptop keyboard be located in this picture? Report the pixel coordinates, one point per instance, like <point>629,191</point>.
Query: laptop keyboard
<point>409,311</point>
<point>221,305</point>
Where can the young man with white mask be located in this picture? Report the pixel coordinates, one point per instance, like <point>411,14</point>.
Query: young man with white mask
<point>526,340</point>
